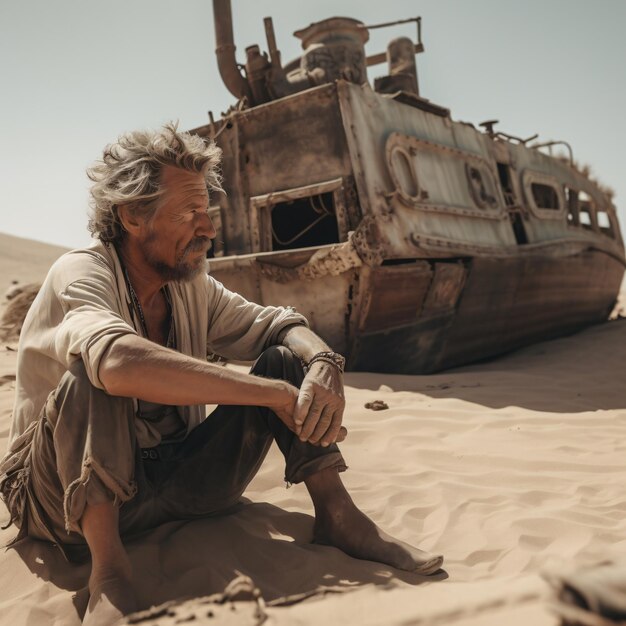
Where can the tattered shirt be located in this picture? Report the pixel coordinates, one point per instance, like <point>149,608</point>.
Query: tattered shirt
<point>84,305</point>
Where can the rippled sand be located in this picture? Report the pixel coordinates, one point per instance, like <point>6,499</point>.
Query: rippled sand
<point>508,468</point>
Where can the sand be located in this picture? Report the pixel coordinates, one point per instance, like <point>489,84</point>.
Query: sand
<point>510,468</point>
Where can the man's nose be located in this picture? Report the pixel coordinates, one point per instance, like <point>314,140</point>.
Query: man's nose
<point>205,227</point>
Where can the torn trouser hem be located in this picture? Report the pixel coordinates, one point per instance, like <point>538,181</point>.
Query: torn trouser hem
<point>312,466</point>
<point>78,493</point>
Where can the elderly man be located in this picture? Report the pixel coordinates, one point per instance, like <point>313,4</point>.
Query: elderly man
<point>109,434</point>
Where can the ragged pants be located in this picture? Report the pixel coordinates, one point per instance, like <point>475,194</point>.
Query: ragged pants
<point>83,451</point>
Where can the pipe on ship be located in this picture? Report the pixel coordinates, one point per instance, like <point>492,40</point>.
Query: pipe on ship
<point>225,50</point>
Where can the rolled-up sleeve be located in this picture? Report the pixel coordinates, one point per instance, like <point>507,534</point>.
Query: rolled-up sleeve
<point>90,324</point>
<point>241,330</point>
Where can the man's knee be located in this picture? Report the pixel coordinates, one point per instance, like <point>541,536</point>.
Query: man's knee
<point>75,381</point>
<point>279,362</point>
<point>75,389</point>
<point>274,357</point>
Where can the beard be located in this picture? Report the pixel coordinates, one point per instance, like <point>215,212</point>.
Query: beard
<point>183,270</point>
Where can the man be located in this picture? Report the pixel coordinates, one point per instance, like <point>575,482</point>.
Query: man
<point>109,434</point>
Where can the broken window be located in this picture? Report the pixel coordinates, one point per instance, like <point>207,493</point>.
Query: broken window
<point>304,222</point>
<point>303,217</point>
<point>510,199</point>
<point>504,173</point>
<point>545,196</point>
<point>482,198</point>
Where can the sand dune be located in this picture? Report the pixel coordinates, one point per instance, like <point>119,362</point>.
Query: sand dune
<point>507,467</point>
<point>24,260</point>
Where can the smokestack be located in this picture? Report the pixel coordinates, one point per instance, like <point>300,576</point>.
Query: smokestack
<point>225,50</point>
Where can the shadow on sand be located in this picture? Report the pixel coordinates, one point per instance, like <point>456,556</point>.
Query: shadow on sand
<point>195,558</point>
<point>579,373</point>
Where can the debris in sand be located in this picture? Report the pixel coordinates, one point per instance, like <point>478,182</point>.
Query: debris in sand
<point>376,405</point>
<point>19,297</point>
<point>240,604</point>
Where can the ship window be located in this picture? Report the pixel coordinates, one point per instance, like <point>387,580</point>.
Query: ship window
<point>604,223</point>
<point>585,209</point>
<point>304,222</point>
<point>302,217</point>
<point>585,218</point>
<point>545,196</point>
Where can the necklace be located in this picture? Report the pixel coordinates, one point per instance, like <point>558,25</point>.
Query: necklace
<point>170,340</point>
<point>136,303</point>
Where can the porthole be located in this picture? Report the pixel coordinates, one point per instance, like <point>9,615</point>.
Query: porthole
<point>545,196</point>
<point>402,170</point>
<point>478,190</point>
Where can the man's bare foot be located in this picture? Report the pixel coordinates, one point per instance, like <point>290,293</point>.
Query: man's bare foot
<point>111,598</point>
<point>339,523</point>
<point>350,530</point>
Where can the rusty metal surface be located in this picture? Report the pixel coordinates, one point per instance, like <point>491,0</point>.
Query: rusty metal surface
<point>328,261</point>
<point>395,296</point>
<point>445,291</point>
<point>448,244</point>
<point>327,306</point>
<point>511,303</point>
<point>507,304</point>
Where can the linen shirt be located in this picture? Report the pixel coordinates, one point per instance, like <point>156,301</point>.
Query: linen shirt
<point>84,305</point>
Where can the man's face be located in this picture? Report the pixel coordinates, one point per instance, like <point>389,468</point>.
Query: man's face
<point>175,241</point>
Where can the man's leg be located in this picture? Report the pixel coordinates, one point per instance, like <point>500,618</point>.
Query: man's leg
<point>209,471</point>
<point>82,466</point>
<point>110,582</point>
<point>338,521</point>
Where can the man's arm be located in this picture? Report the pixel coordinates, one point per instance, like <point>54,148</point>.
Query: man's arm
<point>319,409</point>
<point>137,368</point>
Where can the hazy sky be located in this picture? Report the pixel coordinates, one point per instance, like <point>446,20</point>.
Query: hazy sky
<point>76,73</point>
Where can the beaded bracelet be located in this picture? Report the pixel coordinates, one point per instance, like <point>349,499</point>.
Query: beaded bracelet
<point>334,358</point>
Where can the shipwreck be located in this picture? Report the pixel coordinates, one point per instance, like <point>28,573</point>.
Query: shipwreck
<point>412,242</point>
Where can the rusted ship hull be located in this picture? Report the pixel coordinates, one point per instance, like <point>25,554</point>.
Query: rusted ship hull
<point>428,315</point>
<point>504,304</point>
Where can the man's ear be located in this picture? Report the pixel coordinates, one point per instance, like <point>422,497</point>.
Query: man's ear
<point>129,218</point>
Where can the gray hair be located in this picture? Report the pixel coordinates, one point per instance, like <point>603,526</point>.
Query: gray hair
<point>130,169</point>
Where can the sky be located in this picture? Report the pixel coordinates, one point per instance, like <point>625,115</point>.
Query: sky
<point>76,73</point>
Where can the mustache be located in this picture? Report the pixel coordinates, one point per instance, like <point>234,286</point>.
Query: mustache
<point>198,243</point>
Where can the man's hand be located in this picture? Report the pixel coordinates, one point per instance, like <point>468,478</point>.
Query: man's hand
<point>320,404</point>
<point>319,408</point>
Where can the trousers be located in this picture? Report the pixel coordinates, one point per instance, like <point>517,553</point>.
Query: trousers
<point>83,451</point>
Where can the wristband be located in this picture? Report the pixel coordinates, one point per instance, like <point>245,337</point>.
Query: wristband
<point>334,358</point>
